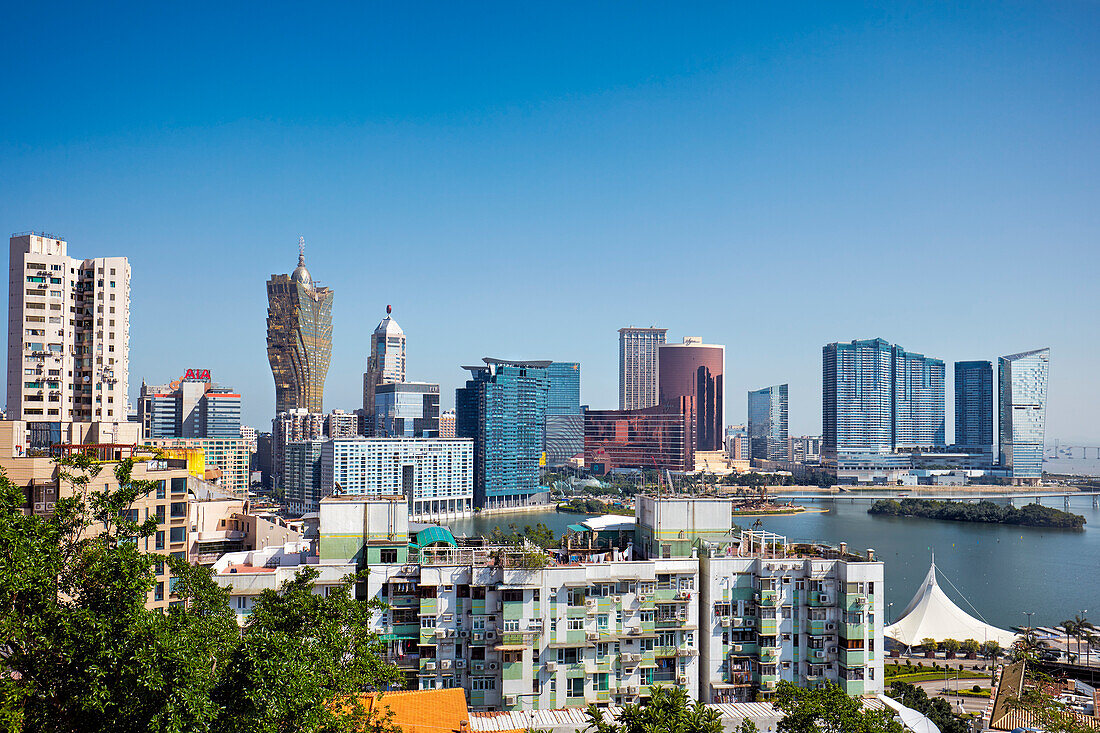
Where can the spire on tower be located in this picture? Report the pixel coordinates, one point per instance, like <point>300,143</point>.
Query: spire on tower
<point>301,250</point>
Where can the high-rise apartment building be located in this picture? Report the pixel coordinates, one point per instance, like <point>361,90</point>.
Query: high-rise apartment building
<point>301,475</point>
<point>768,423</point>
<point>406,410</point>
<point>738,447</point>
<point>385,364</point>
<point>435,475</point>
<point>447,424</point>
<point>503,409</point>
<point>918,389</point>
<point>68,333</point>
<point>974,406</point>
<point>638,366</point>
<point>190,407</point>
<point>340,424</point>
<point>877,397</point>
<point>299,338</point>
<point>1022,408</point>
<point>288,427</point>
<point>564,419</point>
<point>694,369</point>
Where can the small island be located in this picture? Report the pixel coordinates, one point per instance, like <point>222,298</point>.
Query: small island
<point>1031,515</point>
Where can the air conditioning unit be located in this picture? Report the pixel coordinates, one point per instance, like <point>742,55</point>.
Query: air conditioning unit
<point>632,658</point>
<point>550,666</point>
<point>830,626</point>
<point>823,598</point>
<point>684,595</point>
<point>590,603</point>
<point>509,700</point>
<point>430,666</point>
<point>635,630</point>
<point>479,666</point>
<point>464,633</point>
<point>591,635</point>
<point>735,647</point>
<point>617,599</point>
<point>493,666</point>
<point>478,636</point>
<point>490,635</point>
<point>460,663</point>
<point>445,664</point>
<point>726,621</point>
<point>440,633</point>
<point>632,690</point>
<point>832,650</point>
<point>683,680</point>
<point>643,596</point>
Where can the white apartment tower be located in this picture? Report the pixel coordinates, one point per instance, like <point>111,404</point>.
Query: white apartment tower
<point>386,362</point>
<point>638,366</point>
<point>68,333</point>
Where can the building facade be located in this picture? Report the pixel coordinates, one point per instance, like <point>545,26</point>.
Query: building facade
<point>290,427</point>
<point>406,410</point>
<point>385,364</point>
<point>435,475</point>
<point>299,338</point>
<point>340,424</point>
<point>768,433</point>
<point>1022,410</point>
<point>638,366</point>
<point>226,460</point>
<point>68,333</point>
<point>694,369</point>
<point>919,402</point>
<point>974,405</point>
<point>564,419</point>
<point>502,409</point>
<point>301,474</point>
<point>447,424</point>
<point>191,407</point>
<point>659,437</point>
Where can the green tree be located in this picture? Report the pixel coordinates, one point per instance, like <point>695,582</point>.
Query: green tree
<point>950,646</point>
<point>936,709</point>
<point>668,711</point>
<point>827,709</point>
<point>970,646</point>
<point>991,650</point>
<point>929,644</point>
<point>81,651</point>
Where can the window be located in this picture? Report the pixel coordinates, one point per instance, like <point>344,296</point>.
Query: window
<point>482,684</point>
<point>160,514</point>
<point>158,592</point>
<point>179,508</point>
<point>575,624</point>
<point>241,602</point>
<point>576,686</point>
<point>161,488</point>
<point>160,540</point>
<point>389,555</point>
<point>178,534</point>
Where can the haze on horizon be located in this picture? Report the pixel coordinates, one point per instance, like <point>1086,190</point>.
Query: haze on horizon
<point>521,182</point>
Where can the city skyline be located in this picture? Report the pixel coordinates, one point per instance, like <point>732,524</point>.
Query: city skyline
<point>508,171</point>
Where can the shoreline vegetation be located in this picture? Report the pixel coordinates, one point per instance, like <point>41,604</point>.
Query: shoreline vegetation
<point>593,506</point>
<point>988,512</point>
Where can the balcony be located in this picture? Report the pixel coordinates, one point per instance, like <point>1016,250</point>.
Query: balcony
<point>766,626</point>
<point>853,657</point>
<point>854,631</point>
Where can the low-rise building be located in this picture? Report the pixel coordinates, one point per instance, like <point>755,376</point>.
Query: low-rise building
<point>226,460</point>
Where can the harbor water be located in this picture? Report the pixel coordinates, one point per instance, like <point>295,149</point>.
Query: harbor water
<point>1003,571</point>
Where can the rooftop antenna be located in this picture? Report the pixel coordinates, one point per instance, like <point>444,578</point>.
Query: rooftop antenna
<point>301,250</point>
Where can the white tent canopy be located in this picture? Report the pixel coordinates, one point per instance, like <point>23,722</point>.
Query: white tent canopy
<point>931,614</point>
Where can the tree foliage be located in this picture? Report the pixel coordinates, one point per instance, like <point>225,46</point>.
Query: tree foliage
<point>1031,515</point>
<point>82,652</point>
<point>668,711</point>
<point>935,709</point>
<point>827,709</point>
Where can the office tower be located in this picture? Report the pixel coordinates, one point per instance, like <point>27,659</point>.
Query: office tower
<point>694,369</point>
<point>918,397</point>
<point>190,407</point>
<point>1023,401</point>
<point>659,437</point>
<point>447,424</point>
<point>407,410</point>
<point>503,409</point>
<point>768,423</point>
<point>299,337</point>
<point>385,364</point>
<point>435,475</point>
<point>638,366</point>
<point>737,442</point>
<point>857,398</point>
<point>804,449</point>
<point>564,419</point>
<point>974,405</point>
<point>68,333</point>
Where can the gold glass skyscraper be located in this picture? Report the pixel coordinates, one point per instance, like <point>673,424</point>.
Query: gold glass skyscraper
<point>299,338</point>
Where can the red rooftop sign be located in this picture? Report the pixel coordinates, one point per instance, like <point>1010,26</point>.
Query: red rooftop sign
<point>203,375</point>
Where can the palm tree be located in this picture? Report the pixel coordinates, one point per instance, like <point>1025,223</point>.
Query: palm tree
<point>1070,627</point>
<point>1080,624</point>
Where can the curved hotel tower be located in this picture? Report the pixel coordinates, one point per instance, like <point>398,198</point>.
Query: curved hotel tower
<point>694,370</point>
<point>299,338</point>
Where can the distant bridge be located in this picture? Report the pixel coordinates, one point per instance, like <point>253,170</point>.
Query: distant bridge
<point>902,493</point>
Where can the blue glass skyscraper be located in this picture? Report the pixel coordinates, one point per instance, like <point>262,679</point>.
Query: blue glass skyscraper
<point>974,406</point>
<point>919,419</point>
<point>1023,401</point>
<point>503,409</point>
<point>768,423</point>
<point>564,419</point>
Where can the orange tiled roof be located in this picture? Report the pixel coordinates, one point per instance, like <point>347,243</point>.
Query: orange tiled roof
<point>425,711</point>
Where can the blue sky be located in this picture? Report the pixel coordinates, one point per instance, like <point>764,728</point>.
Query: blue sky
<point>521,180</point>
